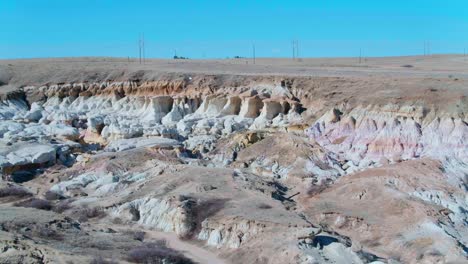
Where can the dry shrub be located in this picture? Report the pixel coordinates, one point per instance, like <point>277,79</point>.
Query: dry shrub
<point>14,191</point>
<point>136,235</point>
<point>36,203</point>
<point>315,189</point>
<point>62,206</point>
<point>157,253</point>
<point>86,213</point>
<point>46,233</point>
<point>49,195</point>
<point>264,206</point>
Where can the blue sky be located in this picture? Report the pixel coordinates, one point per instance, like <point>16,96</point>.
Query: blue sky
<point>219,29</point>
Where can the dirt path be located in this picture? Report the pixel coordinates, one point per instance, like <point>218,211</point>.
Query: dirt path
<point>190,250</point>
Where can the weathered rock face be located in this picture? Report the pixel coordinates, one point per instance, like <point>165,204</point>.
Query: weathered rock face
<point>231,233</point>
<point>26,156</point>
<point>378,135</point>
<point>11,108</point>
<point>375,136</point>
<point>170,215</point>
<point>107,113</point>
<point>133,116</point>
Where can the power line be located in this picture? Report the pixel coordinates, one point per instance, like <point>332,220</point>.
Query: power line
<point>297,49</point>
<point>293,51</point>
<point>427,48</point>
<point>253,52</point>
<point>360,55</point>
<point>141,48</point>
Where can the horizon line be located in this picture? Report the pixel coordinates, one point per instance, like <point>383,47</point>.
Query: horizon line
<point>233,57</point>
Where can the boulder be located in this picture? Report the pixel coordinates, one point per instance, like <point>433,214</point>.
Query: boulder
<point>25,156</point>
<point>156,142</point>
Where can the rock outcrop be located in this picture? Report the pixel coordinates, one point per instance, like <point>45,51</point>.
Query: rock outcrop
<point>378,135</point>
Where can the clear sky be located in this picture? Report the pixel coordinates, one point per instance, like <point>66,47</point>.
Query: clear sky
<point>223,28</point>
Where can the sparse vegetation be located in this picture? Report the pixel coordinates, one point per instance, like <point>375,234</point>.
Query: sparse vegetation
<point>85,213</point>
<point>157,253</point>
<point>14,191</point>
<point>315,189</point>
<point>264,206</point>
<point>49,195</point>
<point>62,206</point>
<point>36,203</point>
<point>46,233</point>
<point>136,235</point>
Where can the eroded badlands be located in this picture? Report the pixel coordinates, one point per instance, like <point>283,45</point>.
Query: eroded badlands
<point>97,163</point>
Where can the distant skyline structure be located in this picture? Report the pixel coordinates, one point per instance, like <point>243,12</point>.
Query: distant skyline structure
<point>295,49</point>
<point>141,48</point>
<point>360,56</point>
<point>214,29</point>
<point>253,52</point>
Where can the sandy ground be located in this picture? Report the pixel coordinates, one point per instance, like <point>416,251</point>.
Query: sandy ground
<point>410,66</point>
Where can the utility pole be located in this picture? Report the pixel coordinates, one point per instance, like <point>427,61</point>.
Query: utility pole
<point>427,48</point>
<point>297,49</point>
<point>253,52</point>
<point>360,55</point>
<point>293,51</point>
<point>139,49</point>
<point>294,47</point>
<point>143,47</point>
